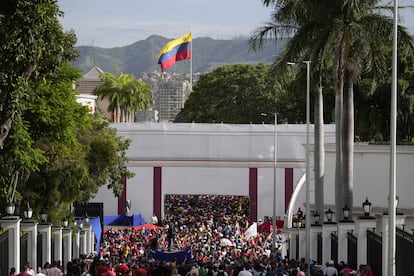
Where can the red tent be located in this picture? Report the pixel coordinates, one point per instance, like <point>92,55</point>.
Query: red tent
<point>148,226</point>
<point>267,226</point>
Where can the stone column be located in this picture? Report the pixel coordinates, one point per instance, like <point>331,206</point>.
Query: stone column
<point>57,232</point>
<point>45,229</point>
<point>76,245</point>
<point>344,227</point>
<point>82,242</point>
<point>314,231</point>
<point>383,228</point>
<point>30,226</point>
<point>327,229</point>
<point>362,225</point>
<point>87,227</point>
<point>12,224</point>
<point>67,246</point>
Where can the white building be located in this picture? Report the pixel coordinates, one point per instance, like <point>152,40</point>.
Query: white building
<point>238,160</point>
<point>211,159</point>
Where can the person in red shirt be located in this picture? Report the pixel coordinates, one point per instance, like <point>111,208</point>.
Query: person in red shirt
<point>140,271</point>
<point>109,270</point>
<point>26,271</point>
<point>122,268</point>
<point>101,269</point>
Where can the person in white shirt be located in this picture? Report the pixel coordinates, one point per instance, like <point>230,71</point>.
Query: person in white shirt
<point>39,272</point>
<point>245,272</point>
<point>330,270</point>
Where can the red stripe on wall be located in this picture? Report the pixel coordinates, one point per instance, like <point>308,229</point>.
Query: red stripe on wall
<point>157,191</point>
<point>253,194</point>
<point>288,186</point>
<point>122,198</point>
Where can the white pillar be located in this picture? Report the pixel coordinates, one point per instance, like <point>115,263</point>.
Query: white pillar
<point>344,228</point>
<point>57,232</point>
<point>87,227</point>
<point>302,243</point>
<point>314,231</point>
<point>362,225</point>
<point>12,224</point>
<point>45,230</point>
<point>30,226</point>
<point>82,242</point>
<point>327,230</point>
<point>76,245</point>
<point>383,227</point>
<point>67,246</point>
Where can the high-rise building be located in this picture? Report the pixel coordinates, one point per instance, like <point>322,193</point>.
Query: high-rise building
<point>170,99</point>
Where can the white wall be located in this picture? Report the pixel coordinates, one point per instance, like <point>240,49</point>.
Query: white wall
<point>210,159</point>
<point>371,176</point>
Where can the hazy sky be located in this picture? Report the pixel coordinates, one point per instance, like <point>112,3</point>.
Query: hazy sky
<point>108,23</point>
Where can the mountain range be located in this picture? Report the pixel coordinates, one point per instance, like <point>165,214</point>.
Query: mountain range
<point>207,54</point>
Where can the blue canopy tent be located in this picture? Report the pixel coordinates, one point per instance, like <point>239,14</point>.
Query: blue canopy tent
<point>169,256</point>
<point>121,220</point>
<point>96,229</point>
<point>124,220</point>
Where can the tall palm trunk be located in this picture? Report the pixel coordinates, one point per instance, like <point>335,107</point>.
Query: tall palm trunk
<point>348,143</point>
<point>339,87</point>
<point>319,156</point>
<point>338,147</point>
<point>118,114</point>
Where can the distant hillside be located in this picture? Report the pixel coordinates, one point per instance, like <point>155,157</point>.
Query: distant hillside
<point>141,57</point>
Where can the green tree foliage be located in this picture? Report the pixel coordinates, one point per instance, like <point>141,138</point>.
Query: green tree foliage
<point>49,144</point>
<point>352,36</point>
<point>61,153</point>
<point>372,104</point>
<point>52,151</point>
<point>33,46</point>
<point>126,95</point>
<point>231,94</point>
<point>106,156</point>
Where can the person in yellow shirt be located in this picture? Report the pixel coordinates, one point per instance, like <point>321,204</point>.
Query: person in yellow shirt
<point>127,249</point>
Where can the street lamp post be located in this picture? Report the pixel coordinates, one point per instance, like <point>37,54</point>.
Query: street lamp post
<point>393,130</point>
<point>274,225</point>
<point>307,219</point>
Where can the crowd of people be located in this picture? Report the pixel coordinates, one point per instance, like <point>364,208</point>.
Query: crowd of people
<point>213,228</point>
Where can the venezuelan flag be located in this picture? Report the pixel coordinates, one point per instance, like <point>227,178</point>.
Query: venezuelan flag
<point>175,50</point>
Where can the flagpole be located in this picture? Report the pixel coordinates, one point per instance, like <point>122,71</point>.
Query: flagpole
<point>191,63</point>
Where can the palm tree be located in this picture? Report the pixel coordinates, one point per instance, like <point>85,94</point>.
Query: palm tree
<point>348,35</point>
<point>126,95</point>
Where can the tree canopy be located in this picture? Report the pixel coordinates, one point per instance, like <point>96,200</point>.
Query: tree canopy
<point>352,37</point>
<point>33,46</point>
<point>126,95</point>
<point>53,151</point>
<point>231,94</point>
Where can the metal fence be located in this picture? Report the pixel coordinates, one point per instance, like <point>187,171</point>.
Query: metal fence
<point>4,253</point>
<point>352,250</point>
<point>374,252</point>
<point>404,251</point>
<point>23,250</point>
<point>39,251</point>
<point>334,246</point>
<point>319,248</point>
<point>297,247</point>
